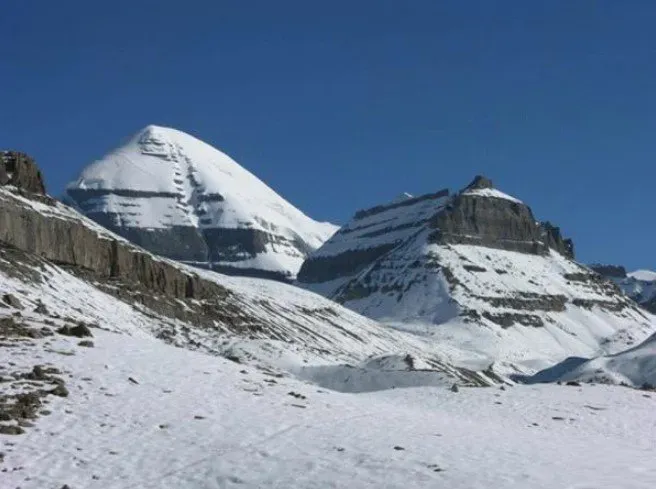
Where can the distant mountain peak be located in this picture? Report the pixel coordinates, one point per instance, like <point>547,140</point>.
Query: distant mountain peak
<point>644,275</point>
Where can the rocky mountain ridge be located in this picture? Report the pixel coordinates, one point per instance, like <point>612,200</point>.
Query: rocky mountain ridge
<point>639,286</point>
<point>19,170</point>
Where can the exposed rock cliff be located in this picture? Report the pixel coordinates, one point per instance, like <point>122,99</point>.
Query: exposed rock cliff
<point>609,270</point>
<point>19,170</point>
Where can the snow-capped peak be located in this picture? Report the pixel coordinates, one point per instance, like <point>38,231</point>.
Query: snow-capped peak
<point>180,197</point>
<point>643,275</point>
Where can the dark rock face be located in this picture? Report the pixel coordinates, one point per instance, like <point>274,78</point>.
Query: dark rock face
<point>650,305</point>
<point>12,301</point>
<point>609,270</point>
<point>490,222</point>
<point>203,248</point>
<point>321,269</point>
<point>177,243</point>
<point>19,170</point>
<point>199,247</point>
<point>480,181</point>
<point>551,236</point>
<point>495,223</point>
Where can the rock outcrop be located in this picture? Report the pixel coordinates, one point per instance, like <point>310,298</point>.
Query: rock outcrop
<point>614,271</point>
<point>19,170</point>
<point>639,286</point>
<point>473,218</point>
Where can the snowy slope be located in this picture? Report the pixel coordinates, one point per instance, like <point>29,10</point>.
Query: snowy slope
<point>417,265</point>
<point>141,414</point>
<point>289,330</point>
<point>166,186</point>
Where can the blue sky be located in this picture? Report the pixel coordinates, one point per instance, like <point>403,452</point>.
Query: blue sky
<point>343,105</point>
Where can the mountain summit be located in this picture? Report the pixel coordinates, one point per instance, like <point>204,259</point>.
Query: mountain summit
<point>181,198</point>
<point>478,265</point>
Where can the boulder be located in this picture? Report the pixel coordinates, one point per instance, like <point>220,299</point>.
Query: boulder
<point>79,331</point>
<point>12,300</point>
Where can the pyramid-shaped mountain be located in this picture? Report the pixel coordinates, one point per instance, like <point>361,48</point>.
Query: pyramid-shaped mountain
<point>179,197</point>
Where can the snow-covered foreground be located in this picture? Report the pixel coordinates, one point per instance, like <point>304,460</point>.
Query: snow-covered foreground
<point>142,414</point>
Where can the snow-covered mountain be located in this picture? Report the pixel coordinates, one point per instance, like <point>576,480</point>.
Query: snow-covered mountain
<point>639,285</point>
<point>63,268</point>
<point>181,198</point>
<point>475,271</point>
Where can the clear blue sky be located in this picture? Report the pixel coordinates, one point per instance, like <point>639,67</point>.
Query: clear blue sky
<point>344,104</point>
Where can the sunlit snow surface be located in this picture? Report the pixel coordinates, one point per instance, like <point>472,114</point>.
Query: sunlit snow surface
<point>635,367</point>
<point>194,421</point>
